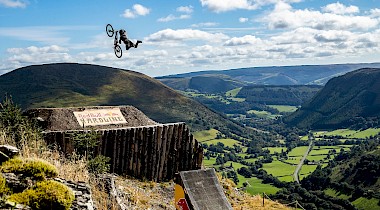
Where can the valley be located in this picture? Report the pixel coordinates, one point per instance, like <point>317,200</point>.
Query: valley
<point>257,135</point>
<point>241,160</point>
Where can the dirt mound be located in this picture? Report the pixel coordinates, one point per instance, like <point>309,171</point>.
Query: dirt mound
<point>58,119</point>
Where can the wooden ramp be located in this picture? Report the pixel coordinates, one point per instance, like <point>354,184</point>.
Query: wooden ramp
<point>201,191</point>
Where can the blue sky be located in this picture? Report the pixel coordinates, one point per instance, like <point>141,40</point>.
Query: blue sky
<point>190,35</point>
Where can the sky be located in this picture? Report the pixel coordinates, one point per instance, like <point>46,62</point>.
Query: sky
<point>189,35</point>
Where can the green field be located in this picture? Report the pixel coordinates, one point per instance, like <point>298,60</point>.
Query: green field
<point>306,170</point>
<point>316,158</point>
<point>233,92</point>
<point>226,142</point>
<point>275,149</point>
<point>209,163</point>
<point>205,135</point>
<point>354,134</point>
<point>284,108</point>
<point>262,114</point>
<point>334,193</point>
<point>366,133</point>
<point>365,203</point>
<point>294,160</point>
<point>256,186</point>
<point>237,99</point>
<point>278,168</point>
<point>298,151</point>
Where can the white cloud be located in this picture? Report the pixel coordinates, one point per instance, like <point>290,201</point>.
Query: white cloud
<point>137,10</point>
<point>245,40</point>
<point>173,17</point>
<point>340,9</point>
<point>375,13</point>
<point>35,55</point>
<point>284,16</point>
<point>228,5</point>
<point>243,19</point>
<point>13,3</point>
<point>185,34</point>
<point>185,9</point>
<point>205,24</point>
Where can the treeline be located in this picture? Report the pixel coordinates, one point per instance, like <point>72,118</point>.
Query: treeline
<point>278,95</point>
<point>359,172</point>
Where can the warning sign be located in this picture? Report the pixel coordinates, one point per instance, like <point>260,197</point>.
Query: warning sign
<point>94,117</point>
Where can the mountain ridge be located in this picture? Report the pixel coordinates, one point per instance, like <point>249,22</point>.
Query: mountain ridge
<point>343,102</point>
<point>72,84</point>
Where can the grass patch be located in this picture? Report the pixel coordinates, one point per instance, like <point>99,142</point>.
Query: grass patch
<point>334,193</point>
<point>366,133</point>
<point>284,108</point>
<point>233,92</point>
<point>205,135</point>
<point>365,203</point>
<point>255,186</point>
<point>237,99</point>
<point>226,142</point>
<point>275,149</point>
<point>298,151</point>
<point>279,169</point>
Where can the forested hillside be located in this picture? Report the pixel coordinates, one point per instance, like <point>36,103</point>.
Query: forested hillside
<point>349,100</point>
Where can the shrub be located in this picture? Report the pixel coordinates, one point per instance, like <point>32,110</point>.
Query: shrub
<point>46,195</point>
<point>3,186</point>
<point>38,169</point>
<point>99,165</point>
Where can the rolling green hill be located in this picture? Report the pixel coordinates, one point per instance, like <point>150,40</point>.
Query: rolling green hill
<point>278,95</point>
<point>349,100</point>
<point>273,75</point>
<point>69,84</point>
<point>203,84</point>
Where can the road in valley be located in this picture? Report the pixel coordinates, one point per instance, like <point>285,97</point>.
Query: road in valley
<point>299,166</point>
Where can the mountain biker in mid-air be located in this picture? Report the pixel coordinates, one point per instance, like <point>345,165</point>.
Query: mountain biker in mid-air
<point>128,43</point>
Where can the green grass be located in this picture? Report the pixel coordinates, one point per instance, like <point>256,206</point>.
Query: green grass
<point>354,134</point>
<point>286,178</point>
<point>262,114</point>
<point>233,92</point>
<point>334,193</point>
<point>278,168</point>
<point>304,138</point>
<point>298,151</point>
<point>284,108</point>
<point>251,160</point>
<point>205,135</point>
<point>209,163</point>
<point>226,142</point>
<point>316,157</point>
<point>237,99</point>
<point>365,203</point>
<point>257,187</point>
<point>306,170</point>
<point>341,132</point>
<point>294,160</point>
<point>275,149</point>
<point>366,133</point>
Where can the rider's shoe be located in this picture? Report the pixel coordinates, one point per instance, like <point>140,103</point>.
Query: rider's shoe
<point>137,43</point>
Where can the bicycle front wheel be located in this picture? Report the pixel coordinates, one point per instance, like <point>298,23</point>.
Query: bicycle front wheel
<point>109,30</point>
<point>118,51</point>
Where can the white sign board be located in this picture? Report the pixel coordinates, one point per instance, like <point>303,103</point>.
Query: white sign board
<point>100,117</point>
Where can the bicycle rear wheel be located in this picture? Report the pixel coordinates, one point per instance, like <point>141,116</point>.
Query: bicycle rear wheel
<point>109,30</point>
<point>118,51</point>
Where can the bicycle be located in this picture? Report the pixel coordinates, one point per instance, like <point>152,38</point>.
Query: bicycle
<point>110,32</point>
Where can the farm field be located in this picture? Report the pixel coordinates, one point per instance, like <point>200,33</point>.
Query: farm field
<point>352,134</point>
<point>226,142</point>
<point>284,108</point>
<point>298,151</point>
<point>275,149</point>
<point>205,135</point>
<point>278,168</point>
<point>233,92</point>
<point>255,186</point>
